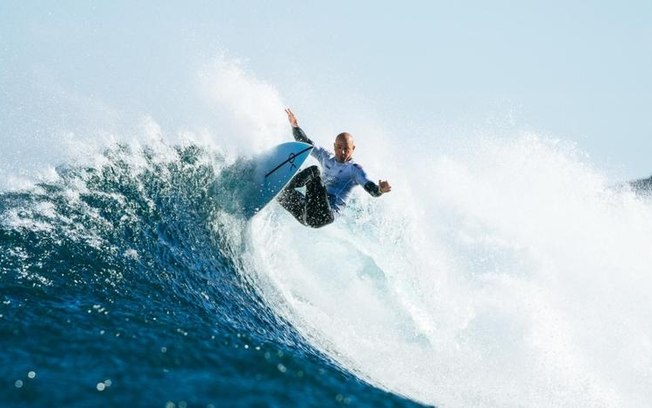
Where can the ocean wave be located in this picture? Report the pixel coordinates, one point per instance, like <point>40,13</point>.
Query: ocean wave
<point>126,282</point>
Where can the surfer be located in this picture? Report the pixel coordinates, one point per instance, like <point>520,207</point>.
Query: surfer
<point>325,196</point>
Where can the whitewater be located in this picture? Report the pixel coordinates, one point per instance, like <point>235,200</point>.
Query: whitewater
<point>504,269</point>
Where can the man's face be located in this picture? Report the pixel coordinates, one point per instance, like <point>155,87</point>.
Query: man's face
<point>344,148</point>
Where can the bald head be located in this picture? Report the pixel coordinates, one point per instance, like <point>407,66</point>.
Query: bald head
<point>344,137</point>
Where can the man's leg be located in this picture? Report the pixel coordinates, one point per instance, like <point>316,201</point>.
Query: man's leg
<point>292,200</point>
<point>304,177</point>
<point>313,209</point>
<point>318,209</point>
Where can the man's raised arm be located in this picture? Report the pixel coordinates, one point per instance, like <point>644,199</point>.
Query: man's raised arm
<point>297,132</point>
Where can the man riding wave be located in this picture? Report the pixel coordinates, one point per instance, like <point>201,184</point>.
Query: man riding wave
<point>327,191</point>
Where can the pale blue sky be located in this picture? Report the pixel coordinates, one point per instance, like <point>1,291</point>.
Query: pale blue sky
<point>579,71</point>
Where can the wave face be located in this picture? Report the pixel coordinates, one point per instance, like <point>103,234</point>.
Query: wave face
<point>512,276</point>
<point>501,271</point>
<point>126,282</point>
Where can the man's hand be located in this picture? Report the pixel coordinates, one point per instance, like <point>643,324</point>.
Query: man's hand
<point>292,118</point>
<point>384,186</point>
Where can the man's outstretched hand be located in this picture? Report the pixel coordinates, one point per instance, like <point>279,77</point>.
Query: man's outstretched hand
<point>291,118</point>
<point>384,186</point>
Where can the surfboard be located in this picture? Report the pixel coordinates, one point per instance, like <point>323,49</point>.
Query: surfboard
<point>273,171</point>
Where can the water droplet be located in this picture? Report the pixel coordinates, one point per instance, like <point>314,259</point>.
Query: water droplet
<point>19,383</point>
<point>100,386</point>
<point>31,375</point>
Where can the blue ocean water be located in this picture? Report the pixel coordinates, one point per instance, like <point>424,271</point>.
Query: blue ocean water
<point>132,278</point>
<point>117,287</point>
<point>503,270</point>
